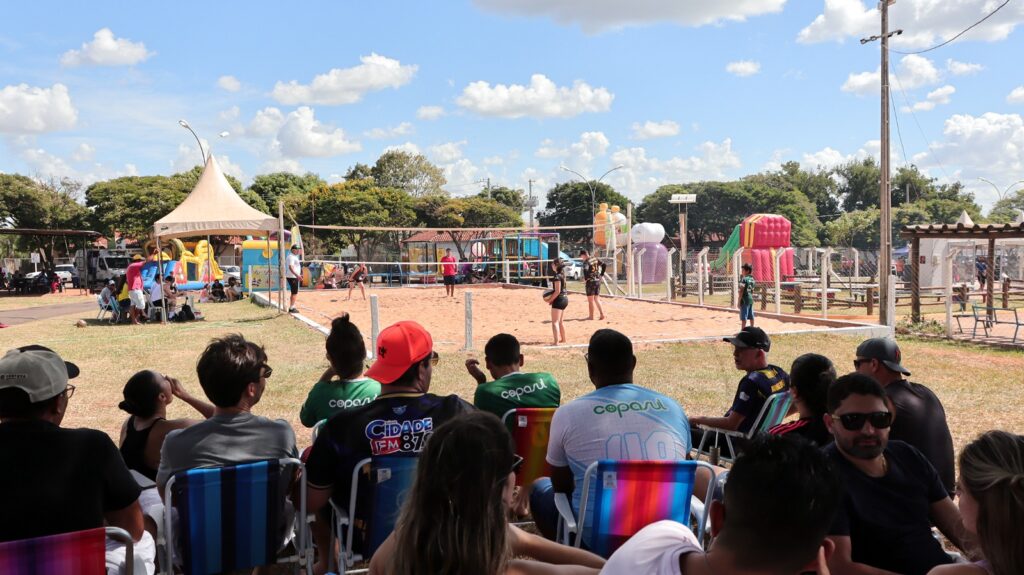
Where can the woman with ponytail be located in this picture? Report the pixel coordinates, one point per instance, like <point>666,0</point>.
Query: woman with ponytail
<point>991,497</point>
<point>146,397</point>
<point>342,387</point>
<point>455,516</point>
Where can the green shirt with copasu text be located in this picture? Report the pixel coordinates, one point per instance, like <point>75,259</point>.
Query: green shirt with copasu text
<point>329,397</point>
<point>518,390</point>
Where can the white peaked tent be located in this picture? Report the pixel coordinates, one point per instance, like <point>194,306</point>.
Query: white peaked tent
<point>214,208</point>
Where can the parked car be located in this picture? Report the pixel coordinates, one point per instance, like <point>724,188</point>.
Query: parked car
<point>232,272</point>
<point>64,272</point>
<point>574,269</point>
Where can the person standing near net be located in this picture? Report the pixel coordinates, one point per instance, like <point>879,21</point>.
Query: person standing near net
<point>593,271</point>
<point>292,273</point>
<point>358,277</point>
<point>557,299</point>
<point>747,296</point>
<point>448,272</point>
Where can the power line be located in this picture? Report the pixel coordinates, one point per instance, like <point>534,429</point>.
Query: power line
<point>919,129</point>
<point>937,46</point>
<point>899,133</point>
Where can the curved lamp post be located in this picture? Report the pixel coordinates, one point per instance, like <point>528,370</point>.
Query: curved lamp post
<point>184,124</point>
<point>1000,194</point>
<point>593,203</point>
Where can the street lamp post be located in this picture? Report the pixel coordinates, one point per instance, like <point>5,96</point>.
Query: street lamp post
<point>593,202</point>
<point>202,152</point>
<point>1002,193</point>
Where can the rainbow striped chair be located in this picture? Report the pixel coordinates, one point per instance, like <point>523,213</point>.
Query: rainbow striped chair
<point>75,553</point>
<point>389,479</point>
<point>230,518</point>
<point>629,495</point>
<point>530,427</point>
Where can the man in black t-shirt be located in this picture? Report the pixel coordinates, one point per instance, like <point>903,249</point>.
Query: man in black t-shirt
<point>893,495</point>
<point>920,418</point>
<point>59,480</point>
<point>397,423</point>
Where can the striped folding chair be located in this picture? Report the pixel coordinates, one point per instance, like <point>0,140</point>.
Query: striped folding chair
<point>76,553</point>
<point>389,479</point>
<point>774,410</point>
<point>629,495</point>
<point>230,518</point>
<point>530,427</point>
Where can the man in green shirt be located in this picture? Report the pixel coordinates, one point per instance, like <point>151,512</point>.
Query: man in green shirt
<point>511,387</point>
<point>746,302</point>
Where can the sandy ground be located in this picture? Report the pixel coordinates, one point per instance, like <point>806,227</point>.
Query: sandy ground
<point>523,313</point>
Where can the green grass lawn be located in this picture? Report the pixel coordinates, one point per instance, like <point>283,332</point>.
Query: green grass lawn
<point>981,388</point>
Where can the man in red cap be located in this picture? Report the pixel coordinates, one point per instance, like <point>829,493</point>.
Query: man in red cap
<point>397,423</point>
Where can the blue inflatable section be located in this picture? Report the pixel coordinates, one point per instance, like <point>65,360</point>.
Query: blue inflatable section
<point>149,272</point>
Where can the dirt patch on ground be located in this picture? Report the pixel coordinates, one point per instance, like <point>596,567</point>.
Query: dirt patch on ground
<point>523,313</point>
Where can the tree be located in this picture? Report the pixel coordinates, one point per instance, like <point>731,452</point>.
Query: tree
<point>28,203</point>
<point>858,229</point>
<point>858,184</point>
<point>410,172</point>
<point>569,204</point>
<point>1007,209</point>
<point>271,187</point>
<point>441,211</point>
<point>819,187</point>
<point>719,208</point>
<point>794,206</point>
<point>514,199</point>
<point>655,208</point>
<point>359,171</point>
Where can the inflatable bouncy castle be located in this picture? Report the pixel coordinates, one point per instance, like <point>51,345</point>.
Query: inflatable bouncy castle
<point>654,263</point>
<point>760,236</point>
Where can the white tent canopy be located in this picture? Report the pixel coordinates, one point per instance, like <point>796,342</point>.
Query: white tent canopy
<point>213,208</point>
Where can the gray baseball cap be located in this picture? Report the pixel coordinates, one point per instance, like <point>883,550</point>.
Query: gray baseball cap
<point>36,370</point>
<point>884,350</point>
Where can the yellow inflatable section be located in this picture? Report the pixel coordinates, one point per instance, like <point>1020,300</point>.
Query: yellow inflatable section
<point>194,262</point>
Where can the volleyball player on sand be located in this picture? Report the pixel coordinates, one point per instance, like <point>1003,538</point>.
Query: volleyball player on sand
<point>358,276</point>
<point>593,271</point>
<point>557,299</point>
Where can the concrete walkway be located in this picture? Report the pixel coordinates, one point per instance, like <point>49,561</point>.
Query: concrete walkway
<point>25,315</point>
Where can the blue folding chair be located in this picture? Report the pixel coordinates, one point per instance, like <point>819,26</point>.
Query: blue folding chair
<point>774,410</point>
<point>231,518</point>
<point>389,479</point>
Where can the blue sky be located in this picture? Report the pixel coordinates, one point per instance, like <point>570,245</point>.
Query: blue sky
<point>508,89</point>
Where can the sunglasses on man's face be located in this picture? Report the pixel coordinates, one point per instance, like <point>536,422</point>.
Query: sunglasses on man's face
<point>434,358</point>
<point>855,421</point>
<point>857,362</point>
<point>267,371</point>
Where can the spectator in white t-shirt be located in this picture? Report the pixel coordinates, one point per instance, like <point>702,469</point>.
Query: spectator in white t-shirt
<point>619,420</point>
<point>292,273</point>
<point>780,500</point>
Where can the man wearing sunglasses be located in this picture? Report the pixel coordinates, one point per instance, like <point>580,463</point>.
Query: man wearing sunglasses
<point>920,418</point>
<point>893,494</point>
<point>397,424</point>
<point>59,480</point>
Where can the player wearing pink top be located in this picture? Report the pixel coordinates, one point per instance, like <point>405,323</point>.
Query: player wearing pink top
<point>448,272</point>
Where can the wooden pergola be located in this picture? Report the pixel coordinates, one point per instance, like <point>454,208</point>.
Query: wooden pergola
<point>959,231</point>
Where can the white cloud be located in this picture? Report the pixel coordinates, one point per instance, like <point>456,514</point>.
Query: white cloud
<point>590,145</point>
<point>289,165</point>
<point>926,22</point>
<point>493,161</point>
<point>743,68</point>
<point>990,146</point>
<point>106,50</point>
<point>302,135</point>
<point>962,68</point>
<point>430,112</point>
<point>27,109</point>
<point>229,115</point>
<point>446,153</point>
<point>461,171</point>
<point>229,83</point>
<point>541,99</point>
<point>934,98</point>
<point>1016,96</point>
<point>347,85</point>
<point>403,129</point>
<point>407,147</point>
<point>913,72</point>
<point>597,15</point>
<point>266,122</point>
<point>828,157</point>
<point>642,174</point>
<point>650,130</point>
<point>83,153</point>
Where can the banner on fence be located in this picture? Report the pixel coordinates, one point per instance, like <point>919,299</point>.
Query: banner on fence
<point>262,278</point>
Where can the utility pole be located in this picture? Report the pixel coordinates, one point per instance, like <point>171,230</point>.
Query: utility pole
<point>885,301</point>
<point>488,188</point>
<point>529,202</point>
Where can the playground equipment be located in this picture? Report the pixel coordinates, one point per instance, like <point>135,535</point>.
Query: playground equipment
<point>190,268</point>
<point>760,236</point>
<point>652,263</point>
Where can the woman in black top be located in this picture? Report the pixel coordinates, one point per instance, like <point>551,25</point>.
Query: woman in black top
<point>557,298</point>
<point>809,380</point>
<point>358,277</point>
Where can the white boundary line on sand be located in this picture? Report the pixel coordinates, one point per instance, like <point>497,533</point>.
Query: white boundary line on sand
<point>262,300</point>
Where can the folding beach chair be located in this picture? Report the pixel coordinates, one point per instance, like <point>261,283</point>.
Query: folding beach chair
<point>75,553</point>
<point>230,518</point>
<point>530,427</point>
<point>112,308</point>
<point>774,410</point>
<point>390,478</point>
<point>628,496</point>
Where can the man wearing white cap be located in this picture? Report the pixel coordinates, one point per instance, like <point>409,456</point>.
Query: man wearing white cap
<point>67,479</point>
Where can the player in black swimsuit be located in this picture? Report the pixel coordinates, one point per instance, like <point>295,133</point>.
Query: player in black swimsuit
<point>557,299</point>
<point>593,271</point>
<point>358,276</point>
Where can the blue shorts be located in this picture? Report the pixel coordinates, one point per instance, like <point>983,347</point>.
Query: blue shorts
<point>746,311</point>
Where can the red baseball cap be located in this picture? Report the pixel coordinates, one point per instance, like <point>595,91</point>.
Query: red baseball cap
<point>400,346</point>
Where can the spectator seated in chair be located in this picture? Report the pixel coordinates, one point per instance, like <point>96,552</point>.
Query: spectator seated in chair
<point>217,291</point>
<point>233,291</point>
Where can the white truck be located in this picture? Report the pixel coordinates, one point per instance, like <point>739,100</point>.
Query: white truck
<point>97,266</point>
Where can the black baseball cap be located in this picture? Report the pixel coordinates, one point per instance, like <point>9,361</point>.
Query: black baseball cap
<point>751,336</point>
<point>884,350</point>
